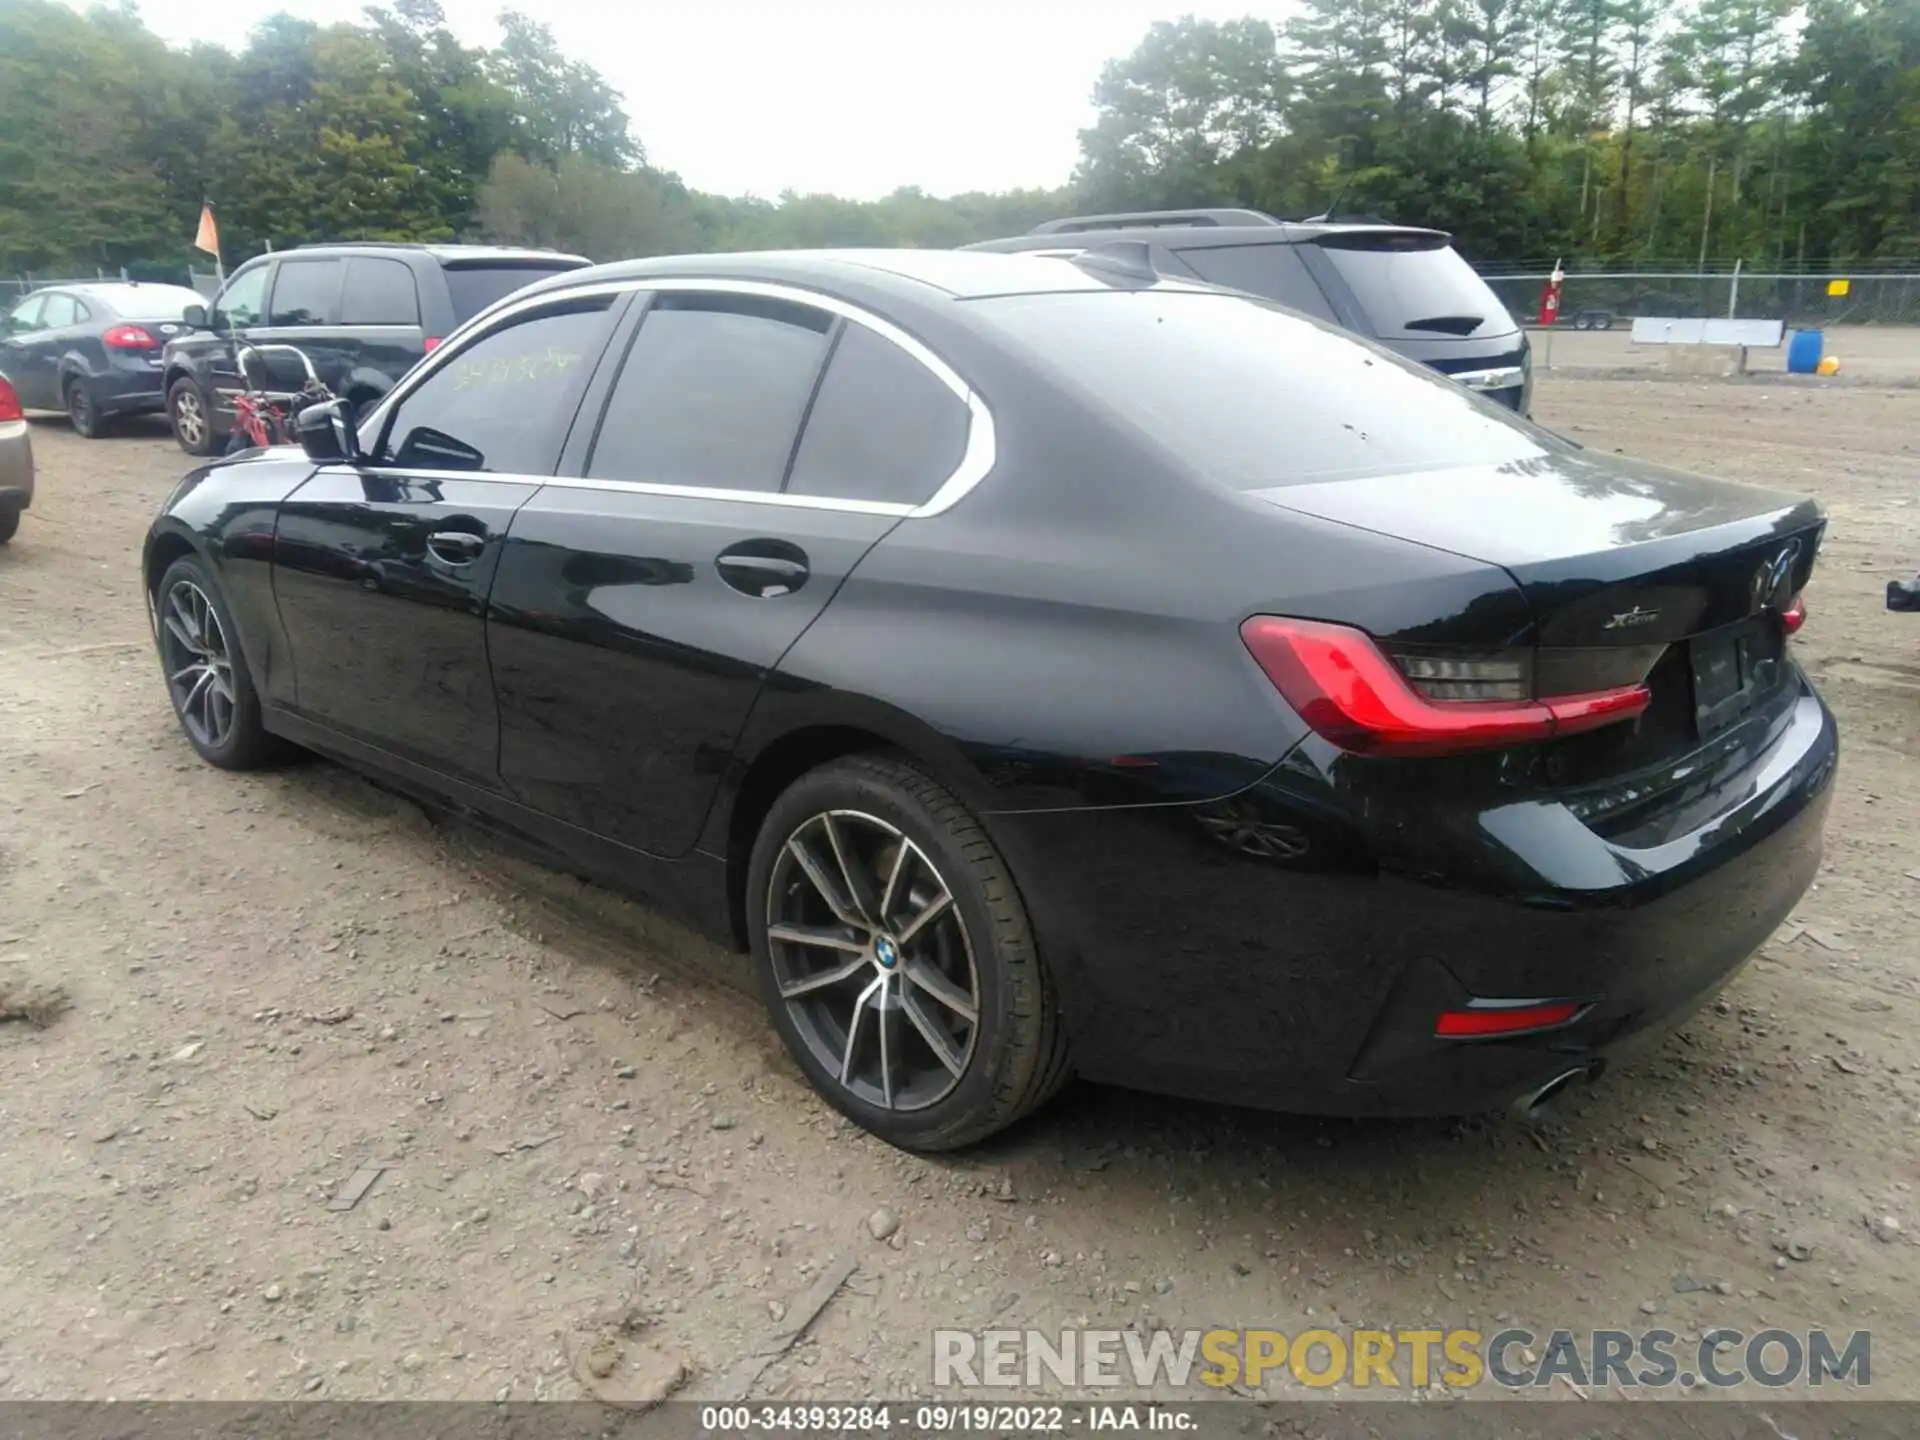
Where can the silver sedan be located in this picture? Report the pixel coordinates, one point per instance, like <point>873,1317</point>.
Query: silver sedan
<point>16,462</point>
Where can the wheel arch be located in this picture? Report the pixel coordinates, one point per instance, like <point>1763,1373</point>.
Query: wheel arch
<point>774,754</point>
<point>164,546</point>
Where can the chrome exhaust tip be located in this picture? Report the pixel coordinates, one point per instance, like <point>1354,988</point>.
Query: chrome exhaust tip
<point>1529,1105</point>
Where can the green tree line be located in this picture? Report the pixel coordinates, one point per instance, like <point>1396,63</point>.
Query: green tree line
<point>1618,130</point>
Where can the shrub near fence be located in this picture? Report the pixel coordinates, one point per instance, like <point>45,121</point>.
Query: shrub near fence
<point>1798,299</point>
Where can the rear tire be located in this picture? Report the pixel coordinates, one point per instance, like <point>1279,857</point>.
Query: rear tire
<point>874,1005</point>
<point>83,409</point>
<point>191,417</point>
<point>9,523</point>
<point>206,674</point>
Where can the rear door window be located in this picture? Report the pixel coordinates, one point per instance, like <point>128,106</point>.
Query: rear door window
<point>1411,288</point>
<point>472,288</point>
<point>378,292</point>
<point>306,292</point>
<point>883,426</point>
<point>61,311</point>
<point>1275,271</point>
<point>712,393</point>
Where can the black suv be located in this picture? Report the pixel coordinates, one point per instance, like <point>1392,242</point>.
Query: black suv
<point>1407,288</point>
<point>363,314</point>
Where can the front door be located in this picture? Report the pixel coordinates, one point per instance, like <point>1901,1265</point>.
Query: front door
<point>18,348</point>
<point>382,571</point>
<point>644,596</point>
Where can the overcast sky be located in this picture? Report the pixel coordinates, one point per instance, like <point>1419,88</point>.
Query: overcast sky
<point>856,97</point>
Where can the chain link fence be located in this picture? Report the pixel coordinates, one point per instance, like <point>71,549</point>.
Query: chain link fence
<point>1802,300</point>
<point>15,288</point>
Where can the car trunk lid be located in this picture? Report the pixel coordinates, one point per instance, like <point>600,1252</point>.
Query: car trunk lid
<point>1634,574</point>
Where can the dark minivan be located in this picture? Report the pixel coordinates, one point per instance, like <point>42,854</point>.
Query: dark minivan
<point>363,313</point>
<point>1405,287</point>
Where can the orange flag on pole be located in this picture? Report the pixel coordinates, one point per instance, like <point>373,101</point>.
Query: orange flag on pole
<point>209,237</point>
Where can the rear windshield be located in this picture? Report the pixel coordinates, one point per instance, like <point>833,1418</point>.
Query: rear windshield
<point>150,302</point>
<point>1413,289</point>
<point>1254,396</point>
<point>475,287</point>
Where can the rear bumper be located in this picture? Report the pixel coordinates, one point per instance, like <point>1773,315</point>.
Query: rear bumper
<point>16,465</point>
<point>1311,981</point>
<point>129,391</point>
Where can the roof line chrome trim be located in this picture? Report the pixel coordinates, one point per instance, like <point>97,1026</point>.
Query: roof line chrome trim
<point>976,462</point>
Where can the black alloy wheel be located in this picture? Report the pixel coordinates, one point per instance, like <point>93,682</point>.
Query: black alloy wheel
<point>896,959</point>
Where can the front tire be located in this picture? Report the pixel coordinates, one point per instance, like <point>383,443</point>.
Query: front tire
<point>190,416</point>
<point>206,675</point>
<point>896,958</point>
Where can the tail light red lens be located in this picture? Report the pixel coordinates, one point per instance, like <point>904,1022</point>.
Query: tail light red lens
<point>129,337</point>
<point>9,401</point>
<point>1351,693</point>
<point>1482,1021</point>
<point>1795,615</point>
<point>433,343</point>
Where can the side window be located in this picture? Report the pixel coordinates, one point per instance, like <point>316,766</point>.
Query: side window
<point>504,402</point>
<point>61,310</point>
<point>81,314</point>
<point>26,315</point>
<point>1275,271</point>
<point>306,292</point>
<point>711,392</point>
<point>240,303</point>
<point>379,292</point>
<point>883,426</point>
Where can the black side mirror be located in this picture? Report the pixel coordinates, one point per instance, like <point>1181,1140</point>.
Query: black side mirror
<point>430,449</point>
<point>195,315</point>
<point>326,432</point>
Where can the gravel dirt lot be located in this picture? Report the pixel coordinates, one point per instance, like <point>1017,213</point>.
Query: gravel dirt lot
<point>599,1160</point>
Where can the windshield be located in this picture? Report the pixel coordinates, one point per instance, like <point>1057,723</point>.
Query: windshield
<point>149,302</point>
<point>1412,288</point>
<point>1254,396</point>
<point>474,287</point>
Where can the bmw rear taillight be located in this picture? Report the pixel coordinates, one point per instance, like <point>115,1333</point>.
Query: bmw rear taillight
<point>129,337</point>
<point>1353,693</point>
<point>9,401</point>
<point>1795,615</point>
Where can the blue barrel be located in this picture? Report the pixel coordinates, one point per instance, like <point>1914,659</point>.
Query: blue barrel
<point>1803,352</point>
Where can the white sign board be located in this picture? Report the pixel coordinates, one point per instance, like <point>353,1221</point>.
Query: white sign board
<point>1660,330</point>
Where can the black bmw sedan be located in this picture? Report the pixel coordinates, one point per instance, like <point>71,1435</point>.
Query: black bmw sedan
<point>1043,667</point>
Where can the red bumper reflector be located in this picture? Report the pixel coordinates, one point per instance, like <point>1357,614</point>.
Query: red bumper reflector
<point>1795,615</point>
<point>1341,684</point>
<point>1504,1019</point>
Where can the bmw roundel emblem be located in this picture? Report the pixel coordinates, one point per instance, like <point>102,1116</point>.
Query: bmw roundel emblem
<point>886,952</point>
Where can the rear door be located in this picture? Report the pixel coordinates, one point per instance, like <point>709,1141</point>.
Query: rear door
<point>754,444</point>
<point>379,327</point>
<point>382,570</point>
